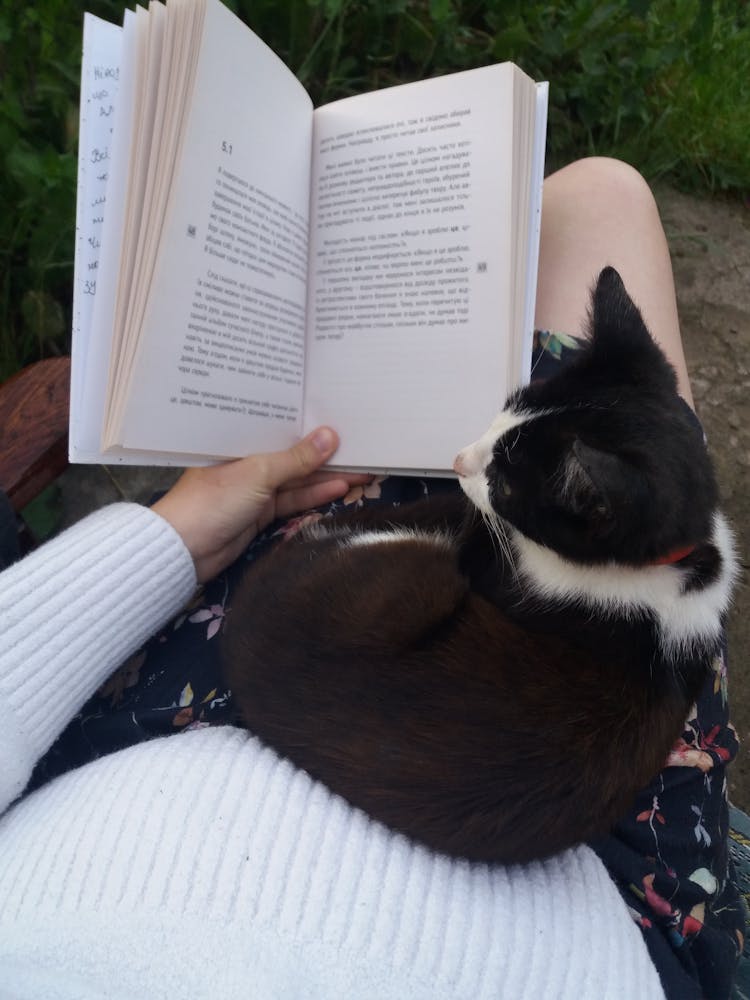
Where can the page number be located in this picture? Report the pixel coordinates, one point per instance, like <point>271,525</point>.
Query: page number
<point>226,147</point>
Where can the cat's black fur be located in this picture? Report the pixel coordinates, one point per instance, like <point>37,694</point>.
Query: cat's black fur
<point>498,681</point>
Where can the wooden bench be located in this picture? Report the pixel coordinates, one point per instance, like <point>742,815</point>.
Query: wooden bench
<point>34,405</point>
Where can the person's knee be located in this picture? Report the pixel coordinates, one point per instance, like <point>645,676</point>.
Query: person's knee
<point>603,180</point>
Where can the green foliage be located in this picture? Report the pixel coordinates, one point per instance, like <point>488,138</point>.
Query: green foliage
<point>664,84</point>
<point>39,65</point>
<point>43,514</point>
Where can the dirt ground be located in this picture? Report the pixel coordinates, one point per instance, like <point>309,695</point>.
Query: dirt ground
<point>710,245</point>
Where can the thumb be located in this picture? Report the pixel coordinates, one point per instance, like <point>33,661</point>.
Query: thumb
<point>301,459</point>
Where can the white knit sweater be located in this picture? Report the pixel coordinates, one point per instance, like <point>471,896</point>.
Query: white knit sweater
<point>203,866</point>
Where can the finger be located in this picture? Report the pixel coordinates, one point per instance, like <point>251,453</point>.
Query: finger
<point>353,478</point>
<point>293,501</point>
<point>277,468</point>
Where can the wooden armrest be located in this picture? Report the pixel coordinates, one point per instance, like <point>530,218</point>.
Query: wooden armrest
<point>34,406</point>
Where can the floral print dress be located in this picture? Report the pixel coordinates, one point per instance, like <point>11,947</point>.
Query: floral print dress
<point>670,856</point>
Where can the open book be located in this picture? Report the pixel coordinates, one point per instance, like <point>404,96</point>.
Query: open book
<point>248,268</point>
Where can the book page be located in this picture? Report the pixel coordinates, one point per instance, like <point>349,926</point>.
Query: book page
<point>151,50</point>
<point>90,357</point>
<point>100,79</point>
<point>410,268</point>
<point>219,361</point>
<point>536,184</point>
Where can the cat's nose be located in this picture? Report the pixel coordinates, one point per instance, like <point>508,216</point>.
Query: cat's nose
<point>471,460</point>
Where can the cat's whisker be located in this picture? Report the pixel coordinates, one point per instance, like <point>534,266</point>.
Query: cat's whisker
<point>496,546</point>
<point>508,450</point>
<point>498,532</point>
<point>500,542</point>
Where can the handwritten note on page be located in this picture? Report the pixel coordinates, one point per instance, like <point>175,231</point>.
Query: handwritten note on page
<point>100,76</point>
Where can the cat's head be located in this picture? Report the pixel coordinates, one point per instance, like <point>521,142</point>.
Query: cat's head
<point>603,461</point>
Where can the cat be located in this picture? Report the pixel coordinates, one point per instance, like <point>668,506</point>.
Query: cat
<point>497,673</point>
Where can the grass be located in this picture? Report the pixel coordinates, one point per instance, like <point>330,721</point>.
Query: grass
<point>663,84</point>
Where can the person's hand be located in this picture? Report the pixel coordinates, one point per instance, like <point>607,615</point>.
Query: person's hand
<point>218,510</point>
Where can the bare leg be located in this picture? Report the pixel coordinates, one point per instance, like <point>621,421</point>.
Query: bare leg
<point>596,212</point>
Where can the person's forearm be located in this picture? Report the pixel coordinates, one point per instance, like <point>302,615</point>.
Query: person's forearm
<point>70,613</point>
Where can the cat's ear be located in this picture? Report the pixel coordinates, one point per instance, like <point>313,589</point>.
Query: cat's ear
<point>620,336</point>
<point>592,484</point>
<point>613,312</point>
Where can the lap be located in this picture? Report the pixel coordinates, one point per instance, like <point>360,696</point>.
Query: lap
<point>174,683</point>
<point>669,856</point>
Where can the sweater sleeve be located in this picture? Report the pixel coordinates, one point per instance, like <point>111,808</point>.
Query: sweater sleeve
<point>70,613</point>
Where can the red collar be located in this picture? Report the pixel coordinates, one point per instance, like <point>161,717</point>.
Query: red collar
<point>674,556</point>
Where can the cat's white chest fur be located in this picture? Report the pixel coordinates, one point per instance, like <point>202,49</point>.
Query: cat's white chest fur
<point>684,617</point>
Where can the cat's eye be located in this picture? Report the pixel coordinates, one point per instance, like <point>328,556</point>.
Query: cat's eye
<point>505,487</point>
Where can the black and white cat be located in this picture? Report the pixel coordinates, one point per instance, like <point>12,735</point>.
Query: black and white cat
<point>497,674</point>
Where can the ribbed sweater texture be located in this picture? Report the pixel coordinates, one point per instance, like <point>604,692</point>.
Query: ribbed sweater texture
<point>202,865</point>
